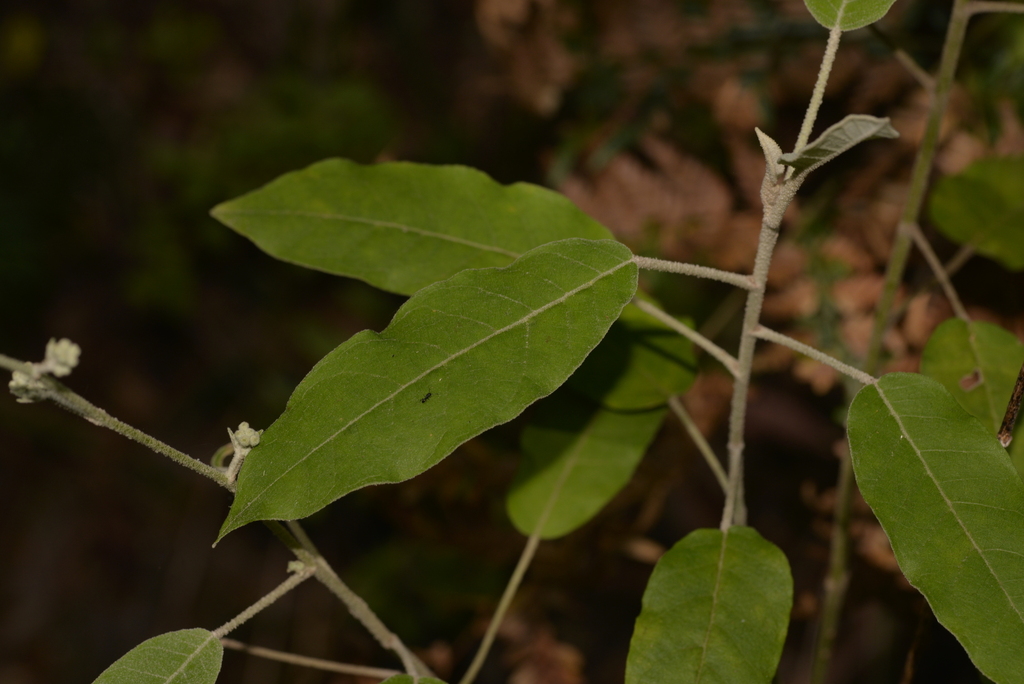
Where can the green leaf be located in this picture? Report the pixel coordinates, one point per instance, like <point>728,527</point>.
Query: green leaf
<point>576,457</point>
<point>401,226</point>
<point>838,138</point>
<point>189,656</point>
<point>953,508</point>
<point>459,357</point>
<point>408,679</point>
<point>639,364</point>
<point>983,206</point>
<point>715,611</point>
<point>848,14</point>
<point>978,364</point>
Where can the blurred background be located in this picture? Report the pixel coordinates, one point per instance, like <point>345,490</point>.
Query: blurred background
<point>123,122</point>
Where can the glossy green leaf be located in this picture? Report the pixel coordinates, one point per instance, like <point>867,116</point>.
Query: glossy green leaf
<point>459,357</point>
<point>848,14</point>
<point>408,679</point>
<point>978,364</point>
<point>953,508</point>
<point>983,206</point>
<point>401,226</point>
<point>576,457</point>
<point>715,611</point>
<point>838,138</point>
<point>639,364</point>
<point>189,656</point>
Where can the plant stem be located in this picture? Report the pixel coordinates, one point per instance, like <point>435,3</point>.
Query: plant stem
<point>295,580</point>
<point>298,540</point>
<point>518,573</point>
<point>61,395</point>
<point>769,335</point>
<point>920,75</point>
<point>940,272</point>
<point>306,661</point>
<point>704,343</point>
<point>737,279</point>
<point>819,87</point>
<point>835,589</point>
<point>702,444</point>
<point>1006,7</point>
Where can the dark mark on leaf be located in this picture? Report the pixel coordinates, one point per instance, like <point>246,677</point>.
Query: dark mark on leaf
<point>424,399</point>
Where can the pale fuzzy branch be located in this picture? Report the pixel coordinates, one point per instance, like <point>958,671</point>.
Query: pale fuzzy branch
<point>924,79</point>
<point>359,609</point>
<point>770,335</point>
<point>518,573</point>
<point>64,397</point>
<point>737,279</point>
<point>306,661</point>
<point>938,271</point>
<point>702,444</point>
<point>704,343</point>
<point>280,590</point>
<point>980,7</point>
<point>819,88</point>
<point>957,261</point>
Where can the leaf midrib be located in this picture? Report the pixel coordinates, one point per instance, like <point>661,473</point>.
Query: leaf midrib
<point>371,222</point>
<point>714,604</point>
<point>435,367</point>
<point>946,499</point>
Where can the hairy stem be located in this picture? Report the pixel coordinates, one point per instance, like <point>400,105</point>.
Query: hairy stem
<point>1005,7</point>
<point>737,279</point>
<point>702,444</point>
<point>769,335</point>
<point>295,580</point>
<point>359,609</point>
<point>61,395</point>
<point>835,590</point>
<point>819,87</point>
<point>704,343</point>
<point>305,661</point>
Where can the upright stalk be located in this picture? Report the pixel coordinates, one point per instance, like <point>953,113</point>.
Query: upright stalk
<point>837,578</point>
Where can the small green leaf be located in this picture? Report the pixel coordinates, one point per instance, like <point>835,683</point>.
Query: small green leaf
<point>459,357</point>
<point>576,457</point>
<point>189,656</point>
<point>401,226</point>
<point>848,14</point>
<point>408,679</point>
<point>983,206</point>
<point>838,138</point>
<point>715,610</point>
<point>639,364</point>
<point>953,508</point>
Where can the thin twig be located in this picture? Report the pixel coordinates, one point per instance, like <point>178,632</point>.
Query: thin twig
<point>704,343</point>
<point>769,335</point>
<point>702,444</point>
<point>819,87</point>
<point>519,572</point>
<point>939,271</point>
<point>957,261</point>
<point>359,609</point>
<point>980,7</point>
<point>1012,409</point>
<point>64,397</point>
<point>306,661</point>
<point>652,264</point>
<point>280,590</point>
<point>920,75</point>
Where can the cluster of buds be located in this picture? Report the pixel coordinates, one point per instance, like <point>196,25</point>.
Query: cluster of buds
<point>61,357</point>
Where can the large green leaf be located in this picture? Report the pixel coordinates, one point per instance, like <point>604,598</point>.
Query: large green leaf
<point>189,656</point>
<point>978,364</point>
<point>848,14</point>
<point>576,457</point>
<point>838,138</point>
<point>953,507</point>
<point>459,357</point>
<point>401,226</point>
<point>983,206</point>
<point>715,611</point>
<point>639,364</point>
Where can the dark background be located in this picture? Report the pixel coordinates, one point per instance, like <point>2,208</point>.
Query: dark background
<point>123,122</point>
